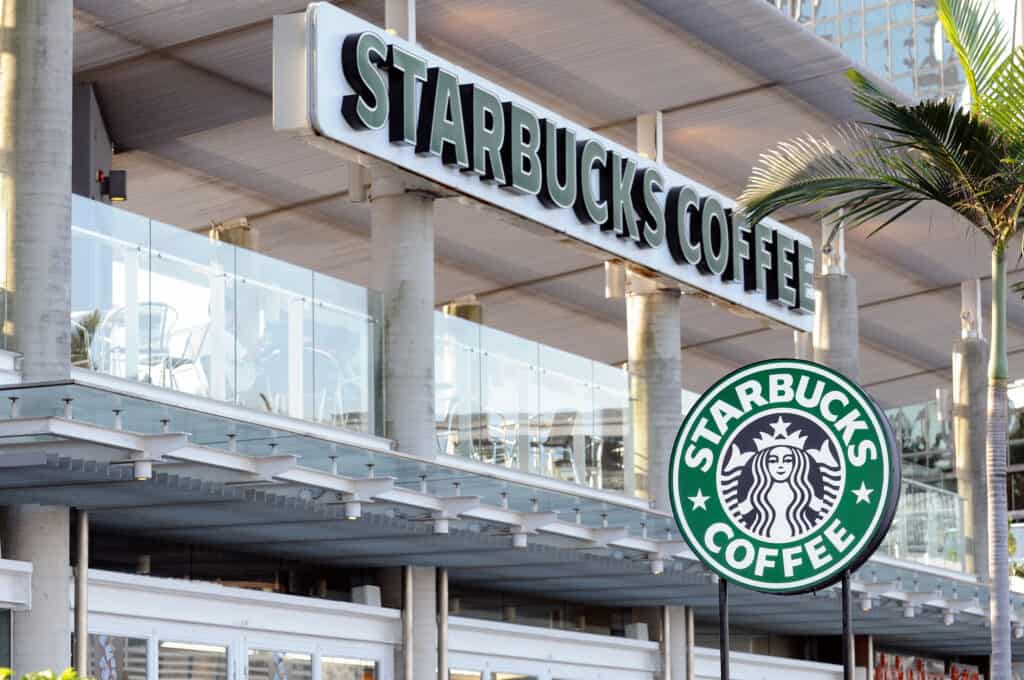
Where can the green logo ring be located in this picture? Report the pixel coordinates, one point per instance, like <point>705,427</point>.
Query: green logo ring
<point>784,475</point>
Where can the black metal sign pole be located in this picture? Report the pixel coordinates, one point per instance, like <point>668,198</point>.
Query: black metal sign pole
<point>848,658</point>
<point>723,626</point>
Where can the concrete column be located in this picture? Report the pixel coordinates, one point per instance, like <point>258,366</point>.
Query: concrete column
<point>803,345</point>
<point>402,251</point>
<point>655,379</point>
<point>424,623</point>
<point>836,333</point>
<point>42,635</point>
<point>35,134</point>
<point>677,643</point>
<point>970,383</point>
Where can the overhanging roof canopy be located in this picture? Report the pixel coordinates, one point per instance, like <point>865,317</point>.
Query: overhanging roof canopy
<point>255,495</point>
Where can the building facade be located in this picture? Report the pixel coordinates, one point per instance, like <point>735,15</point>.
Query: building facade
<point>332,391</point>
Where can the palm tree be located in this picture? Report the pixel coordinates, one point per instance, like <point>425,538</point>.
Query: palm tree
<point>970,159</point>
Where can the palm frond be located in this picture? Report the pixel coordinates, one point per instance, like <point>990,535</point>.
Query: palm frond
<point>959,142</point>
<point>976,34</point>
<point>1001,102</point>
<point>872,177</point>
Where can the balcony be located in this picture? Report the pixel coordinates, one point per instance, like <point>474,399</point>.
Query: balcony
<point>526,406</point>
<point>175,309</point>
<point>161,305</point>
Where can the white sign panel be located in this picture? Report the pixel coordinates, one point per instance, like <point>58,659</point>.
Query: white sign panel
<point>348,81</point>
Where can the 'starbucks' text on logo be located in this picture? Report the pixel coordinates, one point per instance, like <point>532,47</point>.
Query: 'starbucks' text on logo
<point>783,476</point>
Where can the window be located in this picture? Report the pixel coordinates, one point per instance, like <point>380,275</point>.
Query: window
<point>464,675</point>
<point>187,661</point>
<point>513,676</point>
<point>335,668</point>
<point>116,658</point>
<point>264,665</point>
<point>5,638</point>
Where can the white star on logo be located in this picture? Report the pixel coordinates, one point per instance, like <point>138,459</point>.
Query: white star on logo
<point>699,501</point>
<point>863,494</point>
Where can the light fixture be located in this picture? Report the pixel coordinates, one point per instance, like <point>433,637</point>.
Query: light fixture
<point>908,611</point>
<point>353,510</point>
<point>657,566</point>
<point>113,185</point>
<point>440,525</point>
<point>1018,631</point>
<point>948,618</point>
<point>865,603</point>
<point>519,540</point>
<point>142,470</point>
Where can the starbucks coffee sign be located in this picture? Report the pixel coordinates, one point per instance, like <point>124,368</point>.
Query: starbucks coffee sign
<point>784,475</point>
<point>345,82</point>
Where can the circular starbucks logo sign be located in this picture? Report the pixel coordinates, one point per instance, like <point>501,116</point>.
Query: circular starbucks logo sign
<point>784,475</point>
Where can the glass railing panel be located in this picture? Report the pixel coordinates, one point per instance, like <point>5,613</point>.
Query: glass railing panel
<point>193,314</point>
<point>109,289</point>
<point>924,434</point>
<point>508,425</point>
<point>457,393</point>
<point>566,422</point>
<point>927,528</point>
<point>346,355</point>
<point>162,305</point>
<point>608,458</point>
<point>274,340</point>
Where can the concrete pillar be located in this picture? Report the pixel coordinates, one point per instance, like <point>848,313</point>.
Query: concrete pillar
<point>35,134</point>
<point>803,345</point>
<point>402,249</point>
<point>424,623</point>
<point>42,635</point>
<point>400,17</point>
<point>970,384</point>
<point>677,643</point>
<point>836,332</point>
<point>655,380</point>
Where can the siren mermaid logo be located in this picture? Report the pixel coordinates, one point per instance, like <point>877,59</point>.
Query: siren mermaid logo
<point>782,476</point>
<point>776,485</point>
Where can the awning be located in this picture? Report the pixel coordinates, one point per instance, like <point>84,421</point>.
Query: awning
<point>214,474</point>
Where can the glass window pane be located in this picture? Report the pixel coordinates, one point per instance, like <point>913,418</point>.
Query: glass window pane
<point>566,414</point>
<point>878,53</point>
<point>346,354</point>
<point>454,674</point>
<point>875,19</point>
<point>5,638</point>
<point>110,289</point>
<point>340,668</point>
<point>191,314</point>
<point>116,658</point>
<point>851,26</point>
<point>274,335</point>
<point>510,387</point>
<point>1016,490</point>
<point>265,665</point>
<point>849,6</point>
<point>514,676</point>
<point>901,12</point>
<point>192,661</point>
<point>457,395</point>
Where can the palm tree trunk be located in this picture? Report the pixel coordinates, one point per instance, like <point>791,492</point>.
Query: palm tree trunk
<point>998,546</point>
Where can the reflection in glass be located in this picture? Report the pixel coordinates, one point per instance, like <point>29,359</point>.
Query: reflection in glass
<point>454,674</point>
<point>116,658</point>
<point>162,305</point>
<point>927,528</point>
<point>509,401</point>
<point>190,661</point>
<point>338,668</point>
<point>265,665</point>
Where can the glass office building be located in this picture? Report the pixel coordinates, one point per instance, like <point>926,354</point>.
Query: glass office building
<point>899,40</point>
